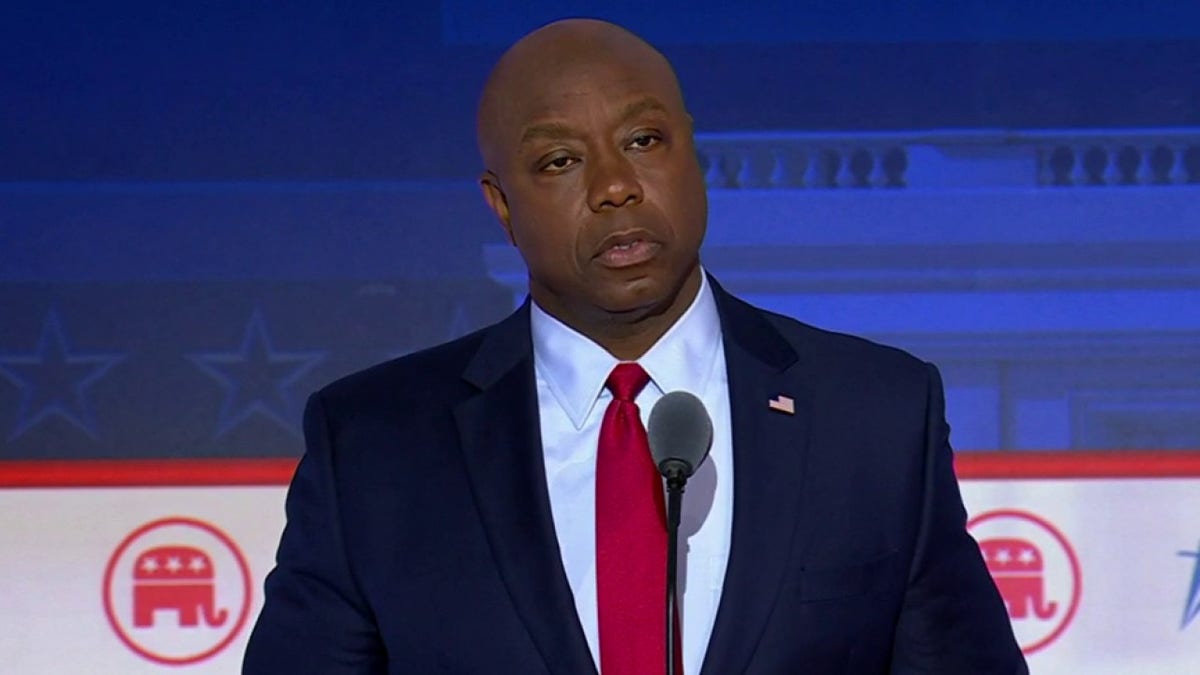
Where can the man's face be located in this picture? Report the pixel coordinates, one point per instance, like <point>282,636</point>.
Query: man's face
<point>598,185</point>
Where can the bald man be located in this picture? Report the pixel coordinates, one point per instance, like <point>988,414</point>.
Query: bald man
<point>487,506</point>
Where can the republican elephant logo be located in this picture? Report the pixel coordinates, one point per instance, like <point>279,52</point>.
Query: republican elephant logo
<point>1035,570</point>
<point>176,578</point>
<point>1018,569</point>
<point>177,590</point>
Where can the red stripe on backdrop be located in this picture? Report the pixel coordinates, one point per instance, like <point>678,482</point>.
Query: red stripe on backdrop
<point>145,473</point>
<point>199,472</point>
<point>1078,464</point>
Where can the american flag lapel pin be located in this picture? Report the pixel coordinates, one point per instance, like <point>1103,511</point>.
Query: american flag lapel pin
<point>784,404</point>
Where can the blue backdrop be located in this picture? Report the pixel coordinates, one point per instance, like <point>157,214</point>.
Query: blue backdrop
<point>207,211</point>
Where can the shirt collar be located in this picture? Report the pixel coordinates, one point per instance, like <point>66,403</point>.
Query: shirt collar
<point>574,367</point>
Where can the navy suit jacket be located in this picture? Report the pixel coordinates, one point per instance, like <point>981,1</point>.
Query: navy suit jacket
<point>419,536</point>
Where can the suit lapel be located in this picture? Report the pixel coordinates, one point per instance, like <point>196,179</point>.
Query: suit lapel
<point>769,449</point>
<point>502,446</point>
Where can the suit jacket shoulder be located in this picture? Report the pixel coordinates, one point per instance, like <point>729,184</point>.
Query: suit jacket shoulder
<point>429,380</point>
<point>830,356</point>
<point>406,379</point>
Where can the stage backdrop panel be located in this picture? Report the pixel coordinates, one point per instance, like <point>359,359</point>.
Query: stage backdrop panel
<point>157,567</point>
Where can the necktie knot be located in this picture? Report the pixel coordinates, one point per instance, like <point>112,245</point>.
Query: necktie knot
<point>626,380</point>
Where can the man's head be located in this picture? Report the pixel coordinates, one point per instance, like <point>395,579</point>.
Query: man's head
<point>592,171</point>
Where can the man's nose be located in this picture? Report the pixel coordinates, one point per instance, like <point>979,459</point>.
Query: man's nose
<point>614,183</point>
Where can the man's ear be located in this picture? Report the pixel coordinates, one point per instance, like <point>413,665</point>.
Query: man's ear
<point>489,183</point>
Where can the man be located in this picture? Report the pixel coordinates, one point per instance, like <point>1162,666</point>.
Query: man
<point>467,509</point>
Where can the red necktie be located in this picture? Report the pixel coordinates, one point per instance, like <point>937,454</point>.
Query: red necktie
<point>631,536</point>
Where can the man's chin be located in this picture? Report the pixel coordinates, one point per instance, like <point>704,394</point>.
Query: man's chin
<point>642,298</point>
<point>635,307</point>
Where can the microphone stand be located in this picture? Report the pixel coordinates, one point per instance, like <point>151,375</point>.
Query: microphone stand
<point>676,479</point>
<point>680,434</point>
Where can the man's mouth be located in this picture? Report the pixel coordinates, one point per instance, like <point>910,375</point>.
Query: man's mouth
<point>627,252</point>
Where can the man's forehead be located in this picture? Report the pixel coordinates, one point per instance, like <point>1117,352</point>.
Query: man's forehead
<point>557,71</point>
<point>549,84</point>
<point>547,92</point>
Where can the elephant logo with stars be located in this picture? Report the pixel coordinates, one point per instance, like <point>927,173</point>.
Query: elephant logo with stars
<point>177,591</point>
<point>1036,572</point>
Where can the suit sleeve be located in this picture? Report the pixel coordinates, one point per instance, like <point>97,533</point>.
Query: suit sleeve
<point>953,619</point>
<point>314,619</point>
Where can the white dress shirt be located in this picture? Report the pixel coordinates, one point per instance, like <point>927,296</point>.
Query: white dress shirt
<point>571,370</point>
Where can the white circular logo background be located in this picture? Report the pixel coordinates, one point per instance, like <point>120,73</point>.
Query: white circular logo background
<point>1035,570</point>
<point>177,590</point>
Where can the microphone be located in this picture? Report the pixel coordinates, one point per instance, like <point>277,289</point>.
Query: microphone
<point>680,433</point>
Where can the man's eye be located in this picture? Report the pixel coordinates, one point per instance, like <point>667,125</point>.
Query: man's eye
<point>558,163</point>
<point>643,141</point>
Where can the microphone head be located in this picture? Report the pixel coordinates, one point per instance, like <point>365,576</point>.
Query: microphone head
<point>680,433</point>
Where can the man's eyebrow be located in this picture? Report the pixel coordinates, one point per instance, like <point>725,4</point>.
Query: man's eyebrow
<point>550,130</point>
<point>641,106</point>
<point>558,130</point>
